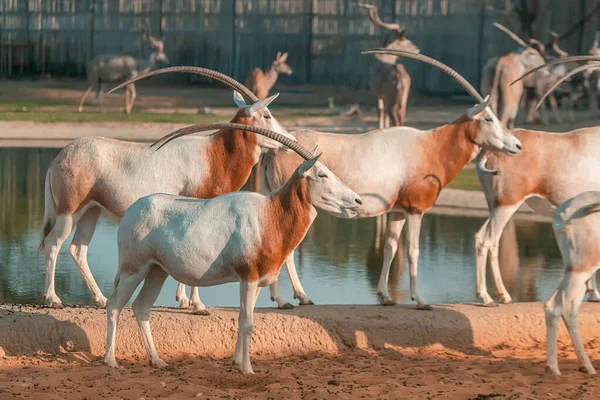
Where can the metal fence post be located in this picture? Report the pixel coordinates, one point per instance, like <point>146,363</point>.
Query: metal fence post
<point>92,28</point>
<point>309,54</point>
<point>480,49</point>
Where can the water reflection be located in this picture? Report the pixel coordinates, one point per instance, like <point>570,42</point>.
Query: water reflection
<point>337,263</point>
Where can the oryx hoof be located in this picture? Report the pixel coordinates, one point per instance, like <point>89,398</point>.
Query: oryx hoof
<point>306,303</point>
<point>424,307</point>
<point>491,304</point>
<point>202,313</point>
<point>286,306</point>
<point>57,305</point>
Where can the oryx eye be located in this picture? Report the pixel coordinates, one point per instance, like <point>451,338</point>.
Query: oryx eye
<point>323,176</point>
<point>267,116</point>
<point>488,119</point>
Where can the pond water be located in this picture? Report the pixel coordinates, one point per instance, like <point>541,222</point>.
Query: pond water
<point>338,263</point>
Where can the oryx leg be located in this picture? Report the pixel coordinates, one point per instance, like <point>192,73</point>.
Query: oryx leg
<point>56,237</point>
<point>555,110</point>
<point>565,302</point>
<point>380,113</point>
<point>413,231</point>
<point>393,235</point>
<point>487,239</point>
<point>124,288</point>
<point>83,97</point>
<point>99,94</point>
<point>143,305</point>
<point>592,289</point>
<point>132,96</point>
<point>79,249</point>
<point>181,296</point>
<point>249,292</point>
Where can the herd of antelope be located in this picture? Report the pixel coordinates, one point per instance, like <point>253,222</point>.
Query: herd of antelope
<point>180,212</point>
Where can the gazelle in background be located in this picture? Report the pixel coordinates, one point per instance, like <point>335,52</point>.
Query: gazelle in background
<point>498,73</point>
<point>238,237</point>
<point>576,224</point>
<point>118,68</point>
<point>94,174</point>
<point>551,169</point>
<point>398,170</point>
<point>389,80</point>
<point>260,83</point>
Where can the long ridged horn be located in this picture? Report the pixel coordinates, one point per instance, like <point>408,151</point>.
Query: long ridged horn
<point>286,141</point>
<point>564,78</point>
<point>227,80</point>
<point>374,16</point>
<point>510,33</point>
<point>557,50</point>
<point>428,60</point>
<point>559,61</point>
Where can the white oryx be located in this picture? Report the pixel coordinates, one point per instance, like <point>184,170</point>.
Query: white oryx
<point>552,168</point>
<point>398,170</point>
<point>238,237</point>
<point>576,224</point>
<point>93,174</point>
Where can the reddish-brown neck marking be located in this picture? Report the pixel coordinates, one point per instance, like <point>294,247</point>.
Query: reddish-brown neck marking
<point>229,160</point>
<point>285,221</point>
<point>447,149</point>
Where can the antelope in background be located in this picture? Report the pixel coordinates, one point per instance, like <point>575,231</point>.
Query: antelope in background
<point>389,80</point>
<point>94,174</point>
<point>498,74</point>
<point>594,76</point>
<point>119,68</point>
<point>260,83</point>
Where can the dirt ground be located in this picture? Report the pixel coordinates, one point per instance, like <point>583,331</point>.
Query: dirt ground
<point>320,352</point>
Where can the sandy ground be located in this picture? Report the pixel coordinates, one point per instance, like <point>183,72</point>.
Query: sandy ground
<point>325,352</point>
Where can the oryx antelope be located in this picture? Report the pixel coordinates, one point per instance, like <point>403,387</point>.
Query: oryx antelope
<point>552,168</point>
<point>576,227</point>
<point>499,73</point>
<point>389,80</point>
<point>94,174</point>
<point>398,170</point>
<point>238,237</point>
<point>118,68</point>
<point>260,83</point>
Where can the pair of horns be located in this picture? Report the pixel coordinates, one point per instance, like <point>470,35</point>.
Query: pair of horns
<point>286,141</point>
<point>592,66</point>
<point>520,41</point>
<point>374,17</point>
<point>439,65</point>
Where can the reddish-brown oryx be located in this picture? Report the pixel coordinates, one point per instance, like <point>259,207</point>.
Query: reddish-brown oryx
<point>260,83</point>
<point>118,68</point>
<point>95,174</point>
<point>389,80</point>
<point>552,168</point>
<point>576,226</point>
<point>398,170</point>
<point>238,237</point>
<point>498,73</point>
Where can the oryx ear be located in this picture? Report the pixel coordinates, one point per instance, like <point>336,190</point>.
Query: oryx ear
<point>284,57</point>
<point>315,149</point>
<point>473,111</point>
<point>307,165</point>
<point>238,99</point>
<point>259,105</point>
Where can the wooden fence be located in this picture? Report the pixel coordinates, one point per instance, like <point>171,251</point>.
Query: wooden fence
<point>324,37</point>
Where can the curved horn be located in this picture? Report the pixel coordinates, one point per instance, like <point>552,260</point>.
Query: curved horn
<point>559,61</point>
<point>542,48</point>
<point>510,33</point>
<point>480,161</point>
<point>428,60</point>
<point>292,144</point>
<point>232,83</point>
<point>374,16</point>
<point>564,78</point>
<point>557,50</point>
